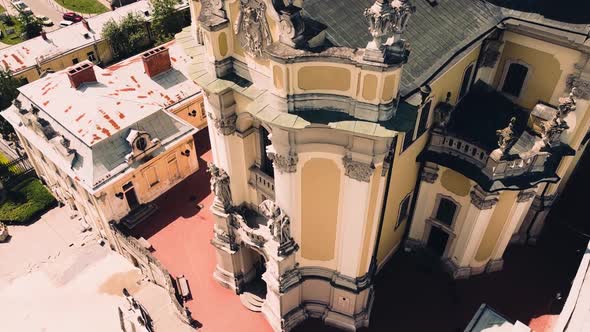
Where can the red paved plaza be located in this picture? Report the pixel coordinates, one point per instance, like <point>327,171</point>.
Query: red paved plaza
<point>412,293</point>
<point>181,233</point>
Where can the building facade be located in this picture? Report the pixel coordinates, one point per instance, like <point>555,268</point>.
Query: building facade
<point>107,142</point>
<point>336,137</point>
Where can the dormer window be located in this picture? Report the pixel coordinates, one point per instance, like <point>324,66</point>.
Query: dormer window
<point>141,143</point>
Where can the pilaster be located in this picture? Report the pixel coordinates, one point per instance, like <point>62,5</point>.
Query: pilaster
<point>477,219</point>
<point>353,211</point>
<point>426,197</point>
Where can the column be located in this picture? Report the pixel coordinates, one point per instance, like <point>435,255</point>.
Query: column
<point>516,217</point>
<point>423,210</point>
<point>478,216</point>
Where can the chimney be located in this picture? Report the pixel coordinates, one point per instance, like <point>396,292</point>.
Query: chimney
<point>81,73</point>
<point>156,61</point>
<point>86,25</point>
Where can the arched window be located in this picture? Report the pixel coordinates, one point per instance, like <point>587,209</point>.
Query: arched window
<point>404,210</point>
<point>514,80</point>
<point>446,211</point>
<point>466,83</point>
<point>266,163</point>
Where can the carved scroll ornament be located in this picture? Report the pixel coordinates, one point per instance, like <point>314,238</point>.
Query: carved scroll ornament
<point>252,28</point>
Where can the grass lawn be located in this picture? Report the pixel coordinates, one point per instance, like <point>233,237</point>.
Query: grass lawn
<point>14,38</point>
<point>2,10</point>
<point>25,201</point>
<point>84,6</point>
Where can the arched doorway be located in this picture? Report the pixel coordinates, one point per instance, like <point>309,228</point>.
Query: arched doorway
<point>253,292</point>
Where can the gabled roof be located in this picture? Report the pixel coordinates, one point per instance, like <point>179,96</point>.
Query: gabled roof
<point>435,32</point>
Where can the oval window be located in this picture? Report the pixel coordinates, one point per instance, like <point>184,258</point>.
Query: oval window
<point>141,143</point>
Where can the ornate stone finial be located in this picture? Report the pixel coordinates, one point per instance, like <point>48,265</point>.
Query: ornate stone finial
<point>284,164</point>
<point>291,25</point>
<point>279,224</point>
<point>358,170</point>
<point>212,13</point>
<point>387,21</point>
<point>506,136</point>
<point>252,28</point>
<point>552,131</point>
<point>220,186</point>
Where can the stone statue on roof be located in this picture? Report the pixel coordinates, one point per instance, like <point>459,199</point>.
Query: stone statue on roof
<point>507,136</point>
<point>252,28</point>
<point>220,185</point>
<point>279,223</point>
<point>566,105</point>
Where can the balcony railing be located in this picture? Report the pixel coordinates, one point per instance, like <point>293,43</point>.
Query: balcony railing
<point>492,164</point>
<point>262,182</point>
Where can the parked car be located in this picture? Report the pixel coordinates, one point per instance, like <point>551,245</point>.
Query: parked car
<point>71,16</point>
<point>64,24</point>
<point>21,7</point>
<point>46,21</point>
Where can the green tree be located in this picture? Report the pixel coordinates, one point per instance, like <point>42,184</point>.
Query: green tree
<point>166,21</point>
<point>128,37</point>
<point>8,91</point>
<point>31,25</point>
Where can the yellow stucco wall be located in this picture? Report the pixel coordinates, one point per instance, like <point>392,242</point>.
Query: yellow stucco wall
<point>452,79</point>
<point>542,76</point>
<point>497,222</point>
<point>320,189</point>
<point>324,78</point>
<point>372,215</point>
<point>182,111</point>
<point>455,182</point>
<point>405,170</point>
<point>403,180</point>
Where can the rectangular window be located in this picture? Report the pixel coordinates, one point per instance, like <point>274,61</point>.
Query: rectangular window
<point>151,176</point>
<point>404,210</point>
<point>91,56</point>
<point>202,110</point>
<point>408,136</point>
<point>515,78</point>
<point>75,60</point>
<point>424,115</point>
<point>446,211</point>
<point>173,169</point>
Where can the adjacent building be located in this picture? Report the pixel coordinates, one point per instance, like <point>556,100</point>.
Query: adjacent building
<point>108,142</point>
<point>344,131</point>
<point>64,47</point>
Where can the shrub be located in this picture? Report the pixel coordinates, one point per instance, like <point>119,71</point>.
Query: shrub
<point>25,201</point>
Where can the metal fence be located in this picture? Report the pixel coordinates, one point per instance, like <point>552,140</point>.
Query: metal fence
<point>16,170</point>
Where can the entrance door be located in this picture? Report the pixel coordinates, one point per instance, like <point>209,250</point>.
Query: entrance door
<point>437,241</point>
<point>131,198</point>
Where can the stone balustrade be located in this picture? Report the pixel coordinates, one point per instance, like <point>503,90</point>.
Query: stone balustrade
<point>263,182</point>
<point>493,164</point>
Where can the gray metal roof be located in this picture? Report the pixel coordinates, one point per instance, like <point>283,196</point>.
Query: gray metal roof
<point>435,33</point>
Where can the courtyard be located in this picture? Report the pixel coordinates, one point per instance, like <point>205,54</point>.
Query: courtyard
<point>409,286</point>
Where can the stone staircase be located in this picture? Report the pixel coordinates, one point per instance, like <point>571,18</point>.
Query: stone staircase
<point>254,295</point>
<point>252,301</point>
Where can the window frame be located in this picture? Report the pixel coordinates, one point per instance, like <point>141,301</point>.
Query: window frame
<point>91,56</point>
<point>506,69</point>
<point>401,219</point>
<point>469,81</point>
<point>147,176</point>
<point>433,218</point>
